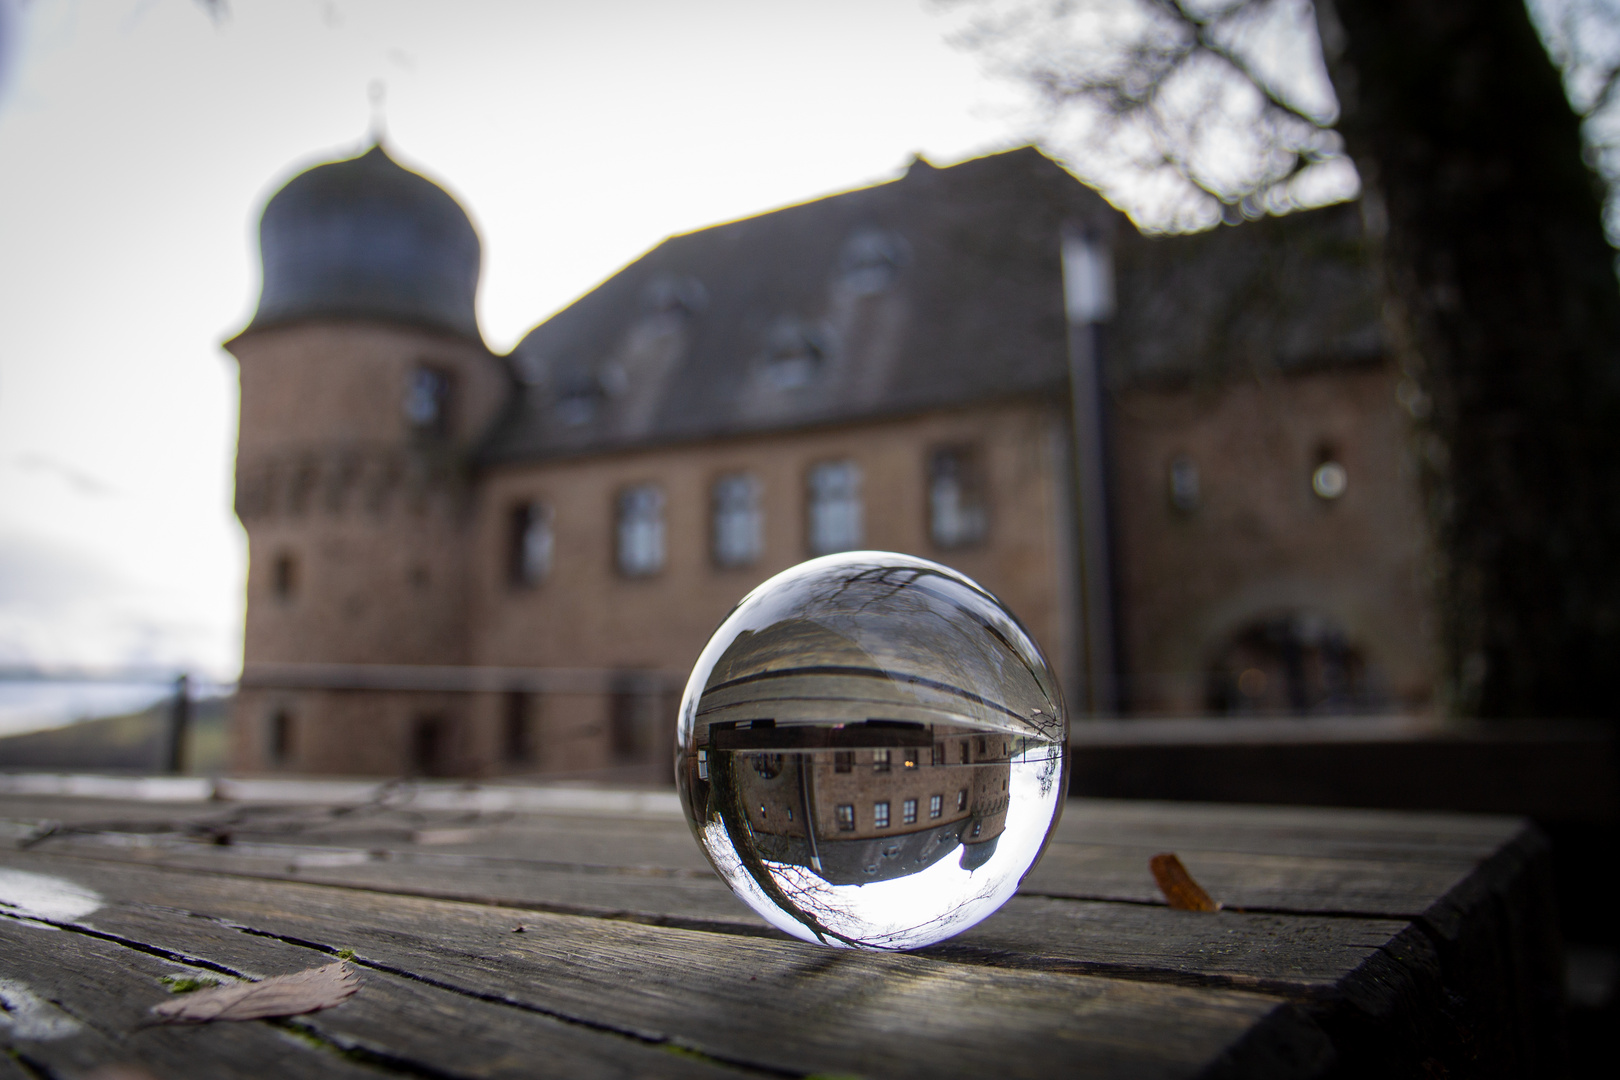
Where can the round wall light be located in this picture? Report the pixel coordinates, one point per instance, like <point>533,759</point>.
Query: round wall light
<point>1329,480</point>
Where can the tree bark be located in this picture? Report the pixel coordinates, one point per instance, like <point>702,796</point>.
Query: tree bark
<point>1503,303</point>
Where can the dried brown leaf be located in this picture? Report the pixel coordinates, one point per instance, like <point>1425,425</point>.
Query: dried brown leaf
<point>284,995</point>
<point>1180,890</point>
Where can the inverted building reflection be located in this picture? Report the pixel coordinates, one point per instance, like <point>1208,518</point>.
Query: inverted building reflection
<point>862,802</point>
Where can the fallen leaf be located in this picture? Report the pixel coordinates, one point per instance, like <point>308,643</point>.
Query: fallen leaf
<point>1180,890</point>
<point>284,995</point>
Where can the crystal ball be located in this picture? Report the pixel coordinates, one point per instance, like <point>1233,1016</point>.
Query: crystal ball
<point>872,751</point>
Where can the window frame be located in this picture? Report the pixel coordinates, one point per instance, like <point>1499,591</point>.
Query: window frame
<point>725,515</point>
<point>824,507</point>
<point>655,524</point>
<point>524,518</point>
<point>440,424</point>
<point>959,466</point>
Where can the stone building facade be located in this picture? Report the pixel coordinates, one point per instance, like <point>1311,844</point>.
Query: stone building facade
<point>470,564</point>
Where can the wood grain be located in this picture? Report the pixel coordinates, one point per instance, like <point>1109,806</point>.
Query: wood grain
<point>1366,942</point>
<point>722,996</point>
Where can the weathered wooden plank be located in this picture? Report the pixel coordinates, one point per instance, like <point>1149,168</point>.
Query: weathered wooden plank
<point>657,840</point>
<point>725,996</point>
<point>395,1023</point>
<point>76,1003</point>
<point>1295,883</point>
<point>1397,888</point>
<point>1303,957</point>
<point>1296,954</point>
<point>1284,830</point>
<point>1442,991</point>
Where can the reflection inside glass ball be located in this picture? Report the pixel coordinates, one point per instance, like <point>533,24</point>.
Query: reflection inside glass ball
<point>872,751</point>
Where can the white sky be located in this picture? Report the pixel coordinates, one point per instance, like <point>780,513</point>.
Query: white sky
<point>139,140</point>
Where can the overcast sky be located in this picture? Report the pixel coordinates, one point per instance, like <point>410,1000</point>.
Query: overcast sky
<point>140,138</point>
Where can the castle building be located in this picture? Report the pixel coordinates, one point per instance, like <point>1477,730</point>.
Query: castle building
<point>471,564</point>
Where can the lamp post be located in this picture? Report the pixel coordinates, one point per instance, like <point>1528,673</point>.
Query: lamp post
<point>1088,300</point>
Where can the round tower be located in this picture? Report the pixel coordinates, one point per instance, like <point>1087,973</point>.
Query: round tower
<point>364,385</point>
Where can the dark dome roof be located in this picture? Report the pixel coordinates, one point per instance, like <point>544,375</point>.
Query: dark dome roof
<point>366,238</point>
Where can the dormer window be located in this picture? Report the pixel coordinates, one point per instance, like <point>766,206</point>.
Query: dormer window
<point>871,261</point>
<point>675,294</point>
<point>579,396</point>
<point>427,400</point>
<point>795,354</point>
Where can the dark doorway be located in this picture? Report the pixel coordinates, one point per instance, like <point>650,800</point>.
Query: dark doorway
<point>1289,664</point>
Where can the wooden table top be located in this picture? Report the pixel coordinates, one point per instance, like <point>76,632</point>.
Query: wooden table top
<point>503,931</point>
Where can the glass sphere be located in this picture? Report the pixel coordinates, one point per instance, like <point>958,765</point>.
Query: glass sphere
<point>872,751</point>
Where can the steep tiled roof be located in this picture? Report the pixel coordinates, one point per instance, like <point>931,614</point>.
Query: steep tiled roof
<point>938,289</point>
<point>1274,295</point>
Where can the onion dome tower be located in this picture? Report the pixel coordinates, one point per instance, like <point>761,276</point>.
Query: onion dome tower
<point>368,239</point>
<point>364,385</point>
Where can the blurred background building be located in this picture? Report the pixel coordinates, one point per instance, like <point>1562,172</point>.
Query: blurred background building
<point>470,564</point>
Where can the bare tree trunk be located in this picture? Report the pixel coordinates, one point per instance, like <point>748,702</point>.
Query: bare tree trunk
<point>1504,304</point>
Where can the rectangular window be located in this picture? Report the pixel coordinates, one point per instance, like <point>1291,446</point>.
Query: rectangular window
<point>961,799</point>
<point>834,515</point>
<point>738,521</point>
<point>284,576</point>
<point>430,746</point>
<point>529,544</point>
<point>936,805</point>
<point>910,760</point>
<point>427,401</point>
<point>281,737</point>
<point>957,515</point>
<point>843,760</point>
<point>633,718</point>
<point>939,754</point>
<point>908,811</point>
<point>518,741</point>
<point>641,530</point>
<point>845,816</point>
<point>880,815</point>
<point>880,761</point>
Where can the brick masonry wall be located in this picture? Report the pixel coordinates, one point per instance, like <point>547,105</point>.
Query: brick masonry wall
<point>589,615</point>
<point>1261,542</point>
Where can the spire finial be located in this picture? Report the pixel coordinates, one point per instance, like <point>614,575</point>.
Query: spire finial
<point>377,93</point>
